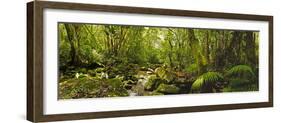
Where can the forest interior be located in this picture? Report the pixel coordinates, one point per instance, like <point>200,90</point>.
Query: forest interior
<point>97,60</point>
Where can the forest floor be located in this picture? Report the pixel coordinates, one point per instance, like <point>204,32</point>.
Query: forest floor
<point>132,80</point>
<point>110,82</point>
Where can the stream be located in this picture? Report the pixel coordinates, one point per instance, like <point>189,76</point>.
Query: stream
<point>138,88</point>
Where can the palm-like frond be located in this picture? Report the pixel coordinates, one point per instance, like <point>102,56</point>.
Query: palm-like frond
<point>241,78</point>
<point>206,78</point>
<point>240,71</point>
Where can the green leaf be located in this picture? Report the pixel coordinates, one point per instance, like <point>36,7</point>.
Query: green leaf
<point>240,71</point>
<point>206,78</point>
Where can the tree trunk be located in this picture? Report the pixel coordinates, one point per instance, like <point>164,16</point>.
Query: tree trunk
<point>73,38</point>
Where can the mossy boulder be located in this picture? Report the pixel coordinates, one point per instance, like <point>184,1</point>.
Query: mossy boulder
<point>91,87</point>
<point>153,93</point>
<point>160,72</point>
<point>92,72</point>
<point>138,89</point>
<point>83,70</point>
<point>99,70</point>
<point>152,83</point>
<point>168,89</point>
<point>165,74</point>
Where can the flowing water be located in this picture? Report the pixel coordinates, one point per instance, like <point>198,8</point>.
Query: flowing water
<point>138,88</point>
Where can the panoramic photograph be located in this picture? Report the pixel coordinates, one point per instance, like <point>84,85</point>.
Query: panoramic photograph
<point>103,60</point>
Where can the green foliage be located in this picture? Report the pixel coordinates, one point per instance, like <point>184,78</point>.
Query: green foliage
<point>207,80</point>
<point>106,60</point>
<point>153,93</point>
<point>91,87</point>
<point>241,71</point>
<point>99,70</point>
<point>193,68</point>
<point>64,54</point>
<point>152,56</point>
<point>240,84</point>
<point>152,83</point>
<point>128,84</point>
<point>92,72</point>
<point>160,72</point>
<point>89,55</point>
<point>83,70</point>
<point>167,89</point>
<point>241,78</point>
<point>165,74</point>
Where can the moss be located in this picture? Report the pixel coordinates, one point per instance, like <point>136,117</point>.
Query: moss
<point>165,74</point>
<point>156,93</point>
<point>167,89</point>
<point>92,72</point>
<point>152,83</point>
<point>153,93</point>
<point>129,82</point>
<point>138,89</point>
<point>240,85</point>
<point>91,87</point>
<point>160,71</point>
<point>83,70</point>
<point>99,70</point>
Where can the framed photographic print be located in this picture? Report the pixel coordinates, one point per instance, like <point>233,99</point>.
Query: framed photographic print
<point>97,61</point>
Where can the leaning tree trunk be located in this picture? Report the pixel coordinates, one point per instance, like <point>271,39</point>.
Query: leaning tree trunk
<point>73,38</point>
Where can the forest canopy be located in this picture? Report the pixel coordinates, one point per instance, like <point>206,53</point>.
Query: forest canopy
<point>122,60</point>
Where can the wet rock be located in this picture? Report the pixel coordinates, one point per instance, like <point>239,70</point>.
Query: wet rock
<point>138,89</point>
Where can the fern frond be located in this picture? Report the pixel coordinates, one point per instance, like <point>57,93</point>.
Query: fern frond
<point>240,71</point>
<point>206,78</point>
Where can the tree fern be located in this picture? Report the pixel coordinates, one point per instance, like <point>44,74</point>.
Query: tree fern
<point>241,78</point>
<point>240,71</point>
<point>207,79</point>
